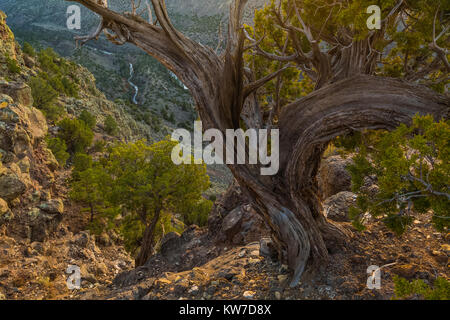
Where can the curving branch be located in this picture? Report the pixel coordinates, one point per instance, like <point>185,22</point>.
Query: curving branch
<point>441,52</point>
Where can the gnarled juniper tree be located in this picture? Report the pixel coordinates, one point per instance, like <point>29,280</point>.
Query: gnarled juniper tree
<point>351,71</point>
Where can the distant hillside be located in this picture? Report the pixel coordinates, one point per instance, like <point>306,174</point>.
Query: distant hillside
<point>163,102</point>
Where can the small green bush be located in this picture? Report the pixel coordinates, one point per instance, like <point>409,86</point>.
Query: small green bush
<point>76,134</point>
<point>111,125</point>
<point>81,162</point>
<point>59,150</point>
<point>405,289</point>
<point>99,146</point>
<point>28,49</point>
<point>43,93</point>
<point>88,118</point>
<point>13,67</point>
<point>411,165</point>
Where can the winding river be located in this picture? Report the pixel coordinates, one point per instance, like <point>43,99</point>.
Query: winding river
<point>136,89</point>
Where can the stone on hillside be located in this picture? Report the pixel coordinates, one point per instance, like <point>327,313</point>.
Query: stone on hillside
<point>54,206</point>
<point>232,222</point>
<point>82,239</point>
<point>20,92</point>
<point>24,165</point>
<point>267,249</point>
<point>407,271</point>
<point>11,186</point>
<point>20,126</point>
<point>249,294</point>
<point>336,207</point>
<point>333,176</point>
<point>44,222</point>
<point>103,239</point>
<point>29,61</point>
<point>3,207</point>
<point>170,245</point>
<point>241,226</point>
<point>50,160</point>
<point>194,290</point>
<point>101,268</point>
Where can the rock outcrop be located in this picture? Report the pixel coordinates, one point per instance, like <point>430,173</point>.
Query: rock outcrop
<point>234,221</point>
<point>336,207</point>
<point>27,167</point>
<point>333,176</point>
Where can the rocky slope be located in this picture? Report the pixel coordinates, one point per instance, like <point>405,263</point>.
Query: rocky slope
<point>227,263</point>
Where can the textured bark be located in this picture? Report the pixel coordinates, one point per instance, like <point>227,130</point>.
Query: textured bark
<point>147,246</point>
<point>348,99</point>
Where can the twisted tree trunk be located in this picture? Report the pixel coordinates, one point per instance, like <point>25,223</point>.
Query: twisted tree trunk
<point>147,246</point>
<point>288,201</point>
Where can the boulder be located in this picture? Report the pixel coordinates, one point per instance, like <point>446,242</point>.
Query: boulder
<point>232,221</point>
<point>19,91</point>
<point>232,198</point>
<point>336,207</point>
<point>3,207</point>
<point>24,165</point>
<point>11,186</point>
<point>267,248</point>
<point>82,239</point>
<point>50,160</point>
<point>53,206</point>
<point>20,126</point>
<point>29,61</point>
<point>333,176</point>
<point>43,222</point>
<point>170,245</point>
<point>407,271</point>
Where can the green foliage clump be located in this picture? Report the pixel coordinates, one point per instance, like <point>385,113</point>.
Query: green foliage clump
<point>412,167</point>
<point>88,118</point>
<point>28,49</point>
<point>439,291</point>
<point>58,72</point>
<point>59,150</point>
<point>44,96</point>
<point>43,93</point>
<point>99,146</point>
<point>111,126</point>
<point>76,134</point>
<point>81,162</point>
<point>137,189</point>
<point>12,65</point>
<point>88,187</point>
<point>148,183</point>
<point>197,213</point>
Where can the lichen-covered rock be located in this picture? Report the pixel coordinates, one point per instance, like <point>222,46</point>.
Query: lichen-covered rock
<point>24,165</point>
<point>11,186</point>
<point>336,207</point>
<point>82,239</point>
<point>3,207</point>
<point>19,91</point>
<point>50,160</point>
<point>43,224</point>
<point>21,127</point>
<point>29,61</point>
<point>54,206</point>
<point>7,41</point>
